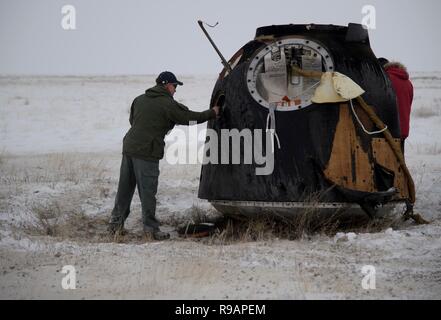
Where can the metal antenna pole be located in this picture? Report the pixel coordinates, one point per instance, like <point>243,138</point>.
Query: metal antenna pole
<point>224,62</point>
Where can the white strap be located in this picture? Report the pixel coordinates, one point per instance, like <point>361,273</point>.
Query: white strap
<point>361,124</point>
<point>271,125</point>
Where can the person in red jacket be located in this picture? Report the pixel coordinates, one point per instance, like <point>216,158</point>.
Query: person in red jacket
<point>399,77</point>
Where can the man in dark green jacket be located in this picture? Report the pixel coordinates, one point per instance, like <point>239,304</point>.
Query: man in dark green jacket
<point>152,116</point>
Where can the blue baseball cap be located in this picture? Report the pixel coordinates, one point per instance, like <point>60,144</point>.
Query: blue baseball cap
<point>168,77</point>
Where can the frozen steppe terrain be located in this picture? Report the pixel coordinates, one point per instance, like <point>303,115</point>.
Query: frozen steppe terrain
<point>60,151</point>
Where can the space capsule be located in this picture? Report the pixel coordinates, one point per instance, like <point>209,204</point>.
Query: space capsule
<point>328,154</point>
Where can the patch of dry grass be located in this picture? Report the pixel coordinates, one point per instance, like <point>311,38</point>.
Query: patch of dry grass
<point>52,168</point>
<point>302,226</point>
<point>60,220</point>
<point>425,112</point>
<point>269,227</point>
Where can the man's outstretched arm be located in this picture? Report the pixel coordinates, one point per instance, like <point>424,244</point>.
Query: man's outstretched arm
<point>180,114</point>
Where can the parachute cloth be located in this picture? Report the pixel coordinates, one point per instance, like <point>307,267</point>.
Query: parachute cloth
<point>336,87</point>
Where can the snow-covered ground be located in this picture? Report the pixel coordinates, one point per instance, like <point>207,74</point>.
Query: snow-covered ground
<point>60,143</point>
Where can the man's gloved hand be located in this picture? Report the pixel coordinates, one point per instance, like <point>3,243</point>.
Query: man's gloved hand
<point>217,110</point>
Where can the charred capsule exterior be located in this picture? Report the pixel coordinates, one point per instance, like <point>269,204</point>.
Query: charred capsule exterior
<point>263,76</point>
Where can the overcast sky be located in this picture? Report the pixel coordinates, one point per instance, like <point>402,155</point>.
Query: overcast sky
<point>146,37</point>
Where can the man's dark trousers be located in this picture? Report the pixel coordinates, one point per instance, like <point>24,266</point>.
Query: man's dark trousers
<point>144,174</point>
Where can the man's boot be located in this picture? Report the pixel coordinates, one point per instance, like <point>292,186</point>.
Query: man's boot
<point>156,235</point>
<point>160,235</point>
